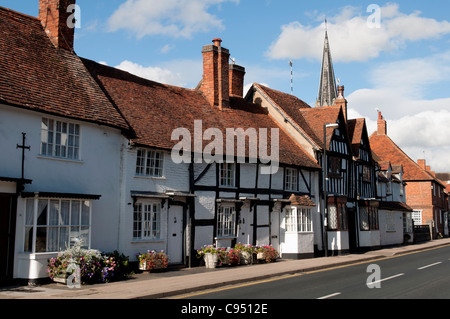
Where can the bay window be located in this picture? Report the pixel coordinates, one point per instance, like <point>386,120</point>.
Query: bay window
<point>298,219</point>
<point>54,225</point>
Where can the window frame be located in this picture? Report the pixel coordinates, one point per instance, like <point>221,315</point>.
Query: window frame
<point>226,222</point>
<point>368,218</point>
<point>230,179</point>
<point>36,225</point>
<point>60,139</point>
<point>339,222</point>
<point>291,179</point>
<point>298,219</point>
<point>149,163</point>
<point>147,221</point>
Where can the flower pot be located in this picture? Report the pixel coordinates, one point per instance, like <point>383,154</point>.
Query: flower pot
<point>211,260</point>
<point>143,265</point>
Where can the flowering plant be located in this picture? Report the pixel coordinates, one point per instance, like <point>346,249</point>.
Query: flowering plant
<point>93,265</point>
<point>234,257</point>
<point>207,249</point>
<point>245,248</point>
<point>153,260</point>
<point>269,254</point>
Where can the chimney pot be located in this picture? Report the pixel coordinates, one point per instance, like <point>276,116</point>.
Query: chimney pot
<point>217,42</point>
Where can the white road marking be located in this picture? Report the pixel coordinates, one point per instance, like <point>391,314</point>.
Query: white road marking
<point>427,266</point>
<point>378,281</point>
<point>330,296</point>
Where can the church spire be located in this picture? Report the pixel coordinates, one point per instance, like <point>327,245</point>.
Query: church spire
<point>327,89</point>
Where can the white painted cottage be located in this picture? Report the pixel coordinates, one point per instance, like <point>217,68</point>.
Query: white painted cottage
<point>61,142</point>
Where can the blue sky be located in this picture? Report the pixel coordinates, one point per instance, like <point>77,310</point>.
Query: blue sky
<point>394,56</point>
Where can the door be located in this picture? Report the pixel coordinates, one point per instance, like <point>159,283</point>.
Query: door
<point>175,235</point>
<point>7,236</point>
<point>275,230</point>
<point>352,229</point>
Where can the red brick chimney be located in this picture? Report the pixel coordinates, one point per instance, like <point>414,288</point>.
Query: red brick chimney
<point>54,16</point>
<point>237,74</point>
<point>215,85</point>
<point>341,101</point>
<point>422,163</point>
<point>382,125</point>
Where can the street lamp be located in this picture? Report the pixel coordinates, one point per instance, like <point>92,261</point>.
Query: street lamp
<point>325,178</point>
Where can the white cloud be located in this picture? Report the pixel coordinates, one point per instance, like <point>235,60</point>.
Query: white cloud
<point>352,38</point>
<point>174,18</point>
<point>419,125</point>
<point>183,73</point>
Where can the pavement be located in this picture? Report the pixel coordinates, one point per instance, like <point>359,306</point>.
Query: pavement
<point>177,281</point>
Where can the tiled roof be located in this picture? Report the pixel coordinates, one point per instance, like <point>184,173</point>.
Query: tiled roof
<point>37,76</point>
<point>310,120</point>
<point>355,129</point>
<point>301,201</point>
<point>398,206</point>
<point>319,116</point>
<point>154,110</point>
<point>387,150</point>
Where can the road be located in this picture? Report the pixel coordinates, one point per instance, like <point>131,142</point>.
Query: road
<point>424,275</point>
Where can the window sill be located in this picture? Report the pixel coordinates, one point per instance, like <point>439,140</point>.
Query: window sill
<point>147,241</point>
<point>59,159</point>
<point>300,232</point>
<point>149,177</point>
<point>225,238</point>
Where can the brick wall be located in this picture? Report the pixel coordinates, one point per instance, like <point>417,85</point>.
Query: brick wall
<point>54,16</point>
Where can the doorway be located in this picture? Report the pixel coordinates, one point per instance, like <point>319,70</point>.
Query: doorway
<point>8,204</point>
<point>175,235</point>
<point>352,229</point>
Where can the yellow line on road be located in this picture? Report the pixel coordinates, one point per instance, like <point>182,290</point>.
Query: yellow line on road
<point>302,273</point>
<point>235,286</point>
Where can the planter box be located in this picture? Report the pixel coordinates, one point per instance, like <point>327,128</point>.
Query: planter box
<point>61,279</point>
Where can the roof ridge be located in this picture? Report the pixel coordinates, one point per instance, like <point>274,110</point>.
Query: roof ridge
<point>8,10</point>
